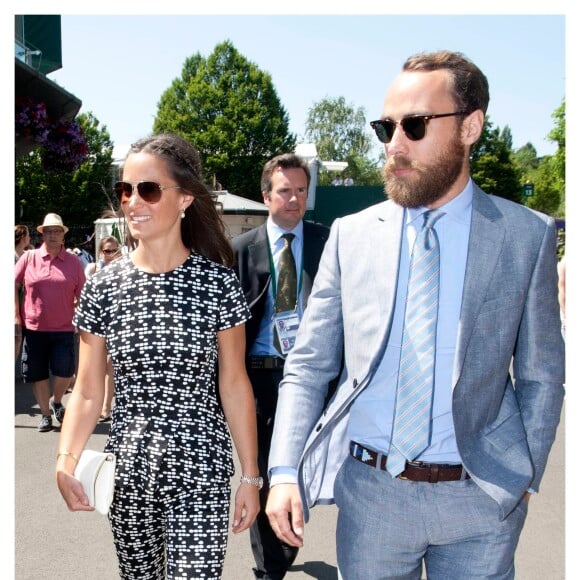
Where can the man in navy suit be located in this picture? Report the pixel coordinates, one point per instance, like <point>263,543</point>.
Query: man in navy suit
<point>437,470</point>
<point>285,181</point>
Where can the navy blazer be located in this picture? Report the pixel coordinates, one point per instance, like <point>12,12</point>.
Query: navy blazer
<point>253,268</point>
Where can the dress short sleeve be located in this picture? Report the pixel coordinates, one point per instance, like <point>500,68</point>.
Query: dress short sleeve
<point>233,309</point>
<point>89,315</point>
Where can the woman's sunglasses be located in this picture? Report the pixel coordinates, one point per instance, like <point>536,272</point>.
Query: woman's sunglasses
<point>148,191</point>
<point>108,251</point>
<point>414,126</point>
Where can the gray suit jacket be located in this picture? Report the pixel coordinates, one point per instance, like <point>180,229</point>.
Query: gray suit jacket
<point>505,425</point>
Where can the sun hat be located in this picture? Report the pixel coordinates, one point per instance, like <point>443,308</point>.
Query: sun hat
<point>52,219</point>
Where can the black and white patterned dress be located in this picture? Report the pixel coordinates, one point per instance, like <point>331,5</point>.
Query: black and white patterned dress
<point>168,430</point>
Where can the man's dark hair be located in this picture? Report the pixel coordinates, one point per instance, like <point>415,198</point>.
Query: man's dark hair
<point>470,87</point>
<point>284,161</point>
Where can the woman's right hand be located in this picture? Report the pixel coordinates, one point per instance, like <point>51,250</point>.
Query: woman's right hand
<point>72,492</point>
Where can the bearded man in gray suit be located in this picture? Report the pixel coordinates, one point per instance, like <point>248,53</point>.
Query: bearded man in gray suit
<point>448,403</point>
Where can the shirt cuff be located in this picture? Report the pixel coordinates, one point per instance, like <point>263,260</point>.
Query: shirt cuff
<point>283,475</point>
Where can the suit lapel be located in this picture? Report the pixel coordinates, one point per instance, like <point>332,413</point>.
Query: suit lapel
<point>383,245</point>
<point>485,244</point>
<point>259,263</point>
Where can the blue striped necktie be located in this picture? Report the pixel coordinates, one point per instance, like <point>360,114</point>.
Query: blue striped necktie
<point>411,428</point>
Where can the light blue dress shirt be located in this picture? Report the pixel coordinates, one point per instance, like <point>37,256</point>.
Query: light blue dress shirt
<point>264,343</point>
<point>372,413</point>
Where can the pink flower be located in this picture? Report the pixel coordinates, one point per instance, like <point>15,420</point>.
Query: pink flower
<point>64,147</point>
<point>31,119</point>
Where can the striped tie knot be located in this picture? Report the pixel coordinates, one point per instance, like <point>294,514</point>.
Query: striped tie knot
<point>430,217</point>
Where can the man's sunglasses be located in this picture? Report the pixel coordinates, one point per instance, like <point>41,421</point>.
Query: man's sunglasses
<point>148,191</point>
<point>414,126</point>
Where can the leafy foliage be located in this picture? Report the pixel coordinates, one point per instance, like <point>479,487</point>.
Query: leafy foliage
<point>339,131</point>
<point>492,167</point>
<point>546,174</point>
<point>526,158</point>
<point>546,196</point>
<point>558,164</point>
<point>229,110</point>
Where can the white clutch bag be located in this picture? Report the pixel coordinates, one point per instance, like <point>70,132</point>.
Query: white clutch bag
<point>96,472</point>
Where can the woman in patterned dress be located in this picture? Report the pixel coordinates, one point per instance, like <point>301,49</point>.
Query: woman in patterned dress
<point>171,315</point>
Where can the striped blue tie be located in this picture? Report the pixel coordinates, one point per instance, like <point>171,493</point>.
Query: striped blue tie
<point>411,427</point>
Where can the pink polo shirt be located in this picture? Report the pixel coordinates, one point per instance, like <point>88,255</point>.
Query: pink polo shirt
<point>51,287</point>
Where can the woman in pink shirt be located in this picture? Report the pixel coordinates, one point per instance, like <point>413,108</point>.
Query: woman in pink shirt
<point>53,280</point>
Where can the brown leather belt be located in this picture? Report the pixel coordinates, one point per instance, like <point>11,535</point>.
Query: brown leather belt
<point>414,470</point>
<point>264,363</point>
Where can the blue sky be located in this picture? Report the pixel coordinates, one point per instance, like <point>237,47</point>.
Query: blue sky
<point>120,65</point>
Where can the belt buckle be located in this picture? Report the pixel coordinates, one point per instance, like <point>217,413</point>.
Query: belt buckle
<point>268,362</point>
<point>410,464</point>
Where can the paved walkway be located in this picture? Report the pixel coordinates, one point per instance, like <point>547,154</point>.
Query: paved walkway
<point>51,542</point>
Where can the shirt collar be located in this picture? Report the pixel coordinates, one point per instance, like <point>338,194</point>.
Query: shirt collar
<point>44,252</point>
<point>458,209</point>
<point>275,231</point>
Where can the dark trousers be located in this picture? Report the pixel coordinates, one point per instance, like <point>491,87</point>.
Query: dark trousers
<point>272,556</point>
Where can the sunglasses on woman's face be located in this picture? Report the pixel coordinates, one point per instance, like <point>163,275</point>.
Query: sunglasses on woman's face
<point>110,251</point>
<point>415,126</point>
<point>148,191</point>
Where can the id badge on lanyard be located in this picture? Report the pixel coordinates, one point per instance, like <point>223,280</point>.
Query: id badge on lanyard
<point>286,326</point>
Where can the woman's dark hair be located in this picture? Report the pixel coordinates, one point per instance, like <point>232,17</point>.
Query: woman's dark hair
<point>19,232</point>
<point>202,229</point>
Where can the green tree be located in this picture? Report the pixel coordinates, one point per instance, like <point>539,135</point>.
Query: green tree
<point>548,174</point>
<point>339,131</point>
<point>79,197</point>
<point>229,110</point>
<point>526,159</point>
<point>506,137</point>
<point>546,196</point>
<point>492,166</point>
<point>558,162</point>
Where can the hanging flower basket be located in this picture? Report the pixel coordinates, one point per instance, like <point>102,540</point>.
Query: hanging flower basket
<point>63,144</point>
<point>65,147</point>
<point>31,120</point>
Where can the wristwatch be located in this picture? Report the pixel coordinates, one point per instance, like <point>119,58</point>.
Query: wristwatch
<point>257,481</point>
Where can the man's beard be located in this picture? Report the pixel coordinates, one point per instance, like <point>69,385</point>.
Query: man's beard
<point>428,183</point>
